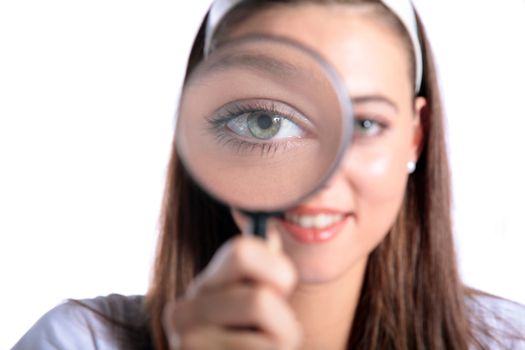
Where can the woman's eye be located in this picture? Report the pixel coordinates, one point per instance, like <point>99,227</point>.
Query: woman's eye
<point>264,125</point>
<point>367,127</point>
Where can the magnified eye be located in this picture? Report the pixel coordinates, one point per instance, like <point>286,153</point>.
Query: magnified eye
<point>259,124</point>
<point>264,125</point>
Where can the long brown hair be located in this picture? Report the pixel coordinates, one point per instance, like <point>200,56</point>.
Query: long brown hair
<point>412,297</point>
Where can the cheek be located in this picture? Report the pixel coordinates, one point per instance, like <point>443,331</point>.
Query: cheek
<point>378,177</point>
<point>379,174</point>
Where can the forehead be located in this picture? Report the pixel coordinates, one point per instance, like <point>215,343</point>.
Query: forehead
<point>368,55</point>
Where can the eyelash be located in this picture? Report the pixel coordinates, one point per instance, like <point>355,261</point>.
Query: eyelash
<point>218,123</point>
<point>219,120</point>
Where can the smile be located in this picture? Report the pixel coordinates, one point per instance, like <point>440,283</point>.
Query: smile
<point>318,221</point>
<point>314,225</point>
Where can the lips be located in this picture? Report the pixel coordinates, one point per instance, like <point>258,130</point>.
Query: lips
<point>314,225</point>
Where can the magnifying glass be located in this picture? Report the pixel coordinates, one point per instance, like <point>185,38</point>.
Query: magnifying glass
<point>262,124</point>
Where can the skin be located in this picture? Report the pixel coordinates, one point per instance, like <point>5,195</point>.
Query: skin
<point>296,291</point>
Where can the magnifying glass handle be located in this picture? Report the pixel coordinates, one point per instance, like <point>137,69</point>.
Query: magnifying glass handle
<point>259,224</point>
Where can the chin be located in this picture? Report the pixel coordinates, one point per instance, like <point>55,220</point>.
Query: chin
<point>344,256</point>
<point>321,275</point>
<point>327,262</point>
<point>322,270</point>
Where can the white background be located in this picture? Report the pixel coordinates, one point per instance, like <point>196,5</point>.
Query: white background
<point>87,97</point>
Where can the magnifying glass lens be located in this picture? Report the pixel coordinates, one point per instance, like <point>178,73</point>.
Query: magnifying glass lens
<point>262,123</point>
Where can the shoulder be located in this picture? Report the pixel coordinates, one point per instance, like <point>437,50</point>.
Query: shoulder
<point>83,324</point>
<point>497,321</point>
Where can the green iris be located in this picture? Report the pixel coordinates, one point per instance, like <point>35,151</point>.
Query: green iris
<point>367,127</point>
<point>263,125</point>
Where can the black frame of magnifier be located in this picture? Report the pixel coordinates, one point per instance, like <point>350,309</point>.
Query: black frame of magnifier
<point>259,220</point>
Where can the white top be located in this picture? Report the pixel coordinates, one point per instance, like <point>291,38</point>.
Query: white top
<point>70,326</point>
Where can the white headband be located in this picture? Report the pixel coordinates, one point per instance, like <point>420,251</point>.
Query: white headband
<point>402,8</point>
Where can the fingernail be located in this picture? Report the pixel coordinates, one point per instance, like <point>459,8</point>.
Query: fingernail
<point>174,341</point>
<point>274,241</point>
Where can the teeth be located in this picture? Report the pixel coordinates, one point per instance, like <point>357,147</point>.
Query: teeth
<point>318,221</point>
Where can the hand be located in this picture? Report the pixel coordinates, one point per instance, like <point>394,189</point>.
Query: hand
<point>238,301</point>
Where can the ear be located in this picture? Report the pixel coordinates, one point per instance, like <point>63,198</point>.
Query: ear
<point>420,109</point>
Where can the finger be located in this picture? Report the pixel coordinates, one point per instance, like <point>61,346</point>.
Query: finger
<point>210,337</point>
<point>247,258</point>
<point>241,306</point>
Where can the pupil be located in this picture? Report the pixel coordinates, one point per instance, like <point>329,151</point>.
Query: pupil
<point>264,125</point>
<point>264,121</point>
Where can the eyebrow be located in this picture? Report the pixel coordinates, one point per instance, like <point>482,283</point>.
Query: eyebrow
<point>259,62</point>
<point>375,98</point>
<point>280,69</point>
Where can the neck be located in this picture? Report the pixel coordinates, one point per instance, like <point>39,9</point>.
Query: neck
<point>326,310</point>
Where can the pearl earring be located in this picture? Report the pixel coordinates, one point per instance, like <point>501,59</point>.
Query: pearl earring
<point>411,166</point>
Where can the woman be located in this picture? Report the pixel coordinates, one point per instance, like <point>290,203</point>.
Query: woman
<point>385,279</point>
